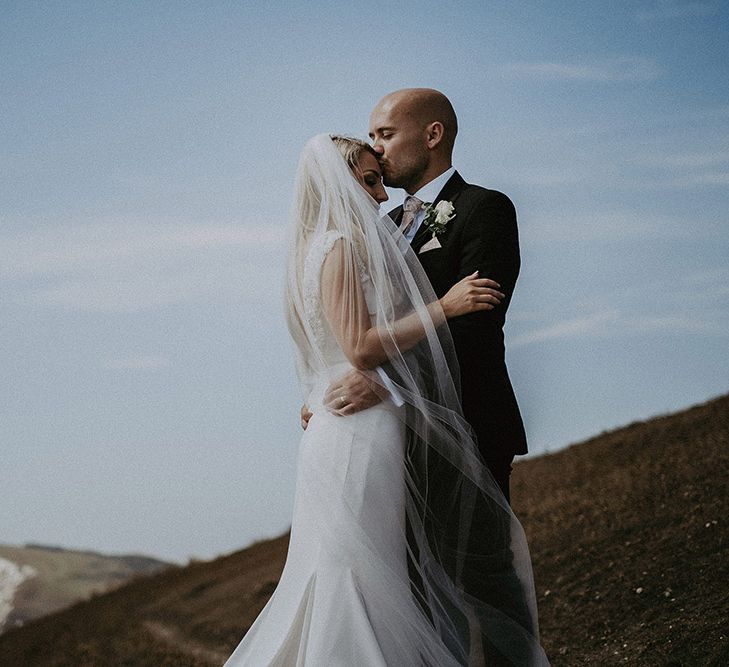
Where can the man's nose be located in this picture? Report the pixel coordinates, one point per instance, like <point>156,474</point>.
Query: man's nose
<point>378,149</point>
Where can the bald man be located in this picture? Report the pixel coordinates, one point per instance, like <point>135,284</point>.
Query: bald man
<point>413,132</point>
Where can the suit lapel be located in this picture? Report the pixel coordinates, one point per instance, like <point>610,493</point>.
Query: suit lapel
<point>420,236</point>
<point>450,192</point>
<point>451,189</point>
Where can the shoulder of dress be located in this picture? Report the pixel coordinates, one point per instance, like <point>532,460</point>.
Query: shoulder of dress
<point>329,239</point>
<point>322,245</point>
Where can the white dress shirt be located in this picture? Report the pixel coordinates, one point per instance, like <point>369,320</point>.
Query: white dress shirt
<point>428,194</point>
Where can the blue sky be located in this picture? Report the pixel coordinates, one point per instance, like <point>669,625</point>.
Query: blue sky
<point>147,154</point>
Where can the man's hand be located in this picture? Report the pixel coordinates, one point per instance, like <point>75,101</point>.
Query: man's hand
<point>305,416</point>
<point>352,393</point>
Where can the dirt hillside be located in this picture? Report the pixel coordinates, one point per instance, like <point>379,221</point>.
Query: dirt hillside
<point>54,578</point>
<point>630,544</point>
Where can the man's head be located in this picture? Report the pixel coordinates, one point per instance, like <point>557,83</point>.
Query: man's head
<point>413,131</point>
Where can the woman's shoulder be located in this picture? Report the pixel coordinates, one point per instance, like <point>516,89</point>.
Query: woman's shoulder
<point>321,245</point>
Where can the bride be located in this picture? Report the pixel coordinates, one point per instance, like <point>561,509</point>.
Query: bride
<point>382,524</point>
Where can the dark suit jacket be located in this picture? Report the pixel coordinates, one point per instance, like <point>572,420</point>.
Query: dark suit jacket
<point>482,236</point>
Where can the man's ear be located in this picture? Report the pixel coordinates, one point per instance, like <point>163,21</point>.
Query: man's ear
<point>434,133</point>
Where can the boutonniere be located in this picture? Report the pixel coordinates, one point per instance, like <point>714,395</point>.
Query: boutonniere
<point>438,216</point>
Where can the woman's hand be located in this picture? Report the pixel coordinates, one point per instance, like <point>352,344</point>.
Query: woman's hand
<point>306,415</point>
<point>470,295</point>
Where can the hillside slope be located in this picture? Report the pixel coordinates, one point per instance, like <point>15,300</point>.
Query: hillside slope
<point>36,580</point>
<point>629,535</point>
<point>630,544</point>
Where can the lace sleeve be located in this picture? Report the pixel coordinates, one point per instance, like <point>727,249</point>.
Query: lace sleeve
<point>318,251</point>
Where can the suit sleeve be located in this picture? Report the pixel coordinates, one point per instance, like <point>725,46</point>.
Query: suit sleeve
<point>489,244</point>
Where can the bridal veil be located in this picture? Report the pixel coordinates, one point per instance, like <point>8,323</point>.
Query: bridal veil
<point>468,571</point>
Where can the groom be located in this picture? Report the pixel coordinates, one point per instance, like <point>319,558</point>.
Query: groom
<point>413,132</point>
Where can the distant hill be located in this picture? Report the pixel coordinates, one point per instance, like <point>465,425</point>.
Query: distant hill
<point>37,579</point>
<point>629,534</point>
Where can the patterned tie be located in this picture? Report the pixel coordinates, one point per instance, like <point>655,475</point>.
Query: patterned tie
<point>410,207</point>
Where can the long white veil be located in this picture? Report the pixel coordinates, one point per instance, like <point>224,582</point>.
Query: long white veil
<point>460,532</point>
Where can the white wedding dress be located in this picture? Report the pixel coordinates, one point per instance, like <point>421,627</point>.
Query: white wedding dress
<point>343,591</point>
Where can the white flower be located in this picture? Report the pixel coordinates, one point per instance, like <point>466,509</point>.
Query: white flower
<point>438,216</point>
<point>443,212</point>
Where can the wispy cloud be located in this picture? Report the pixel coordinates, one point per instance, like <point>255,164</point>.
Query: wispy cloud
<point>708,178</point>
<point>673,323</point>
<point>615,322</point>
<point>706,290</point>
<point>689,170</point>
<point>621,68</point>
<point>676,9</point>
<point>577,327</point>
<point>695,304</point>
<point>720,112</point>
<point>694,160</point>
<point>599,225</point>
<point>69,248</point>
<point>135,363</point>
<point>131,266</point>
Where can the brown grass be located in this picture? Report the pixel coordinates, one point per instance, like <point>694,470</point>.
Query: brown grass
<point>64,576</point>
<point>630,544</point>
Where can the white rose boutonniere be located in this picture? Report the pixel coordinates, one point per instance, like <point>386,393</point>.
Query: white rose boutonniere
<point>438,216</point>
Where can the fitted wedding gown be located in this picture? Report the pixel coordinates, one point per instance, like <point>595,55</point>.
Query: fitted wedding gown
<point>343,597</point>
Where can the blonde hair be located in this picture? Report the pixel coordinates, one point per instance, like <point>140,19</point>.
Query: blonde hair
<point>351,149</point>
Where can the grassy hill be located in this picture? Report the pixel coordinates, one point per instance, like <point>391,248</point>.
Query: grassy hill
<point>630,543</point>
<point>61,577</point>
